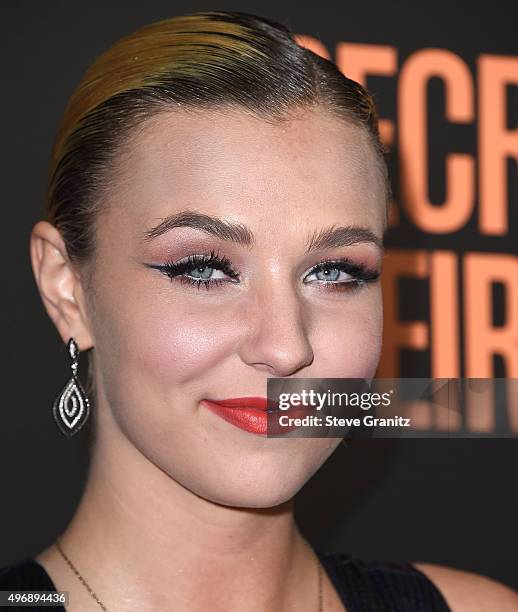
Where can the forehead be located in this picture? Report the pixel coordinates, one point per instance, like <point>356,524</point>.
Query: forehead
<point>246,169</point>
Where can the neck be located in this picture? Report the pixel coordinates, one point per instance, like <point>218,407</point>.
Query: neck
<point>136,529</point>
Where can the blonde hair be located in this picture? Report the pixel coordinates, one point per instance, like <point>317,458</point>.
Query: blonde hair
<point>210,60</point>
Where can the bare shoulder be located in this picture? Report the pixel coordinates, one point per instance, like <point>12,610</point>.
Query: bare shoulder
<point>469,592</point>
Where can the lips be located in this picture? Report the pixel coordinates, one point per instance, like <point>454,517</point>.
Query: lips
<point>255,402</point>
<point>257,415</point>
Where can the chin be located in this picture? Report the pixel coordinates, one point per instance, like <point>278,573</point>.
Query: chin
<point>259,495</point>
<point>264,481</point>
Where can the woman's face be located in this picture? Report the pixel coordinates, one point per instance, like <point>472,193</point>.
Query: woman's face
<point>162,345</point>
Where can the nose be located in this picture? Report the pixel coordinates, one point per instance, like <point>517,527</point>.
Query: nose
<point>277,340</point>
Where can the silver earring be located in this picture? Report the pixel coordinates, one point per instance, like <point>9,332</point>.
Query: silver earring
<point>71,408</point>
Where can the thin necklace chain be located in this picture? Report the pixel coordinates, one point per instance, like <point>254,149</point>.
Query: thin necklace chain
<point>87,586</point>
<point>76,572</point>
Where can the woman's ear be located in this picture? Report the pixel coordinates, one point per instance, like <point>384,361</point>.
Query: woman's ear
<point>59,285</point>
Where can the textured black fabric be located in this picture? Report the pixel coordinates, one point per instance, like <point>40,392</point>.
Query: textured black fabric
<point>363,586</point>
<point>375,586</point>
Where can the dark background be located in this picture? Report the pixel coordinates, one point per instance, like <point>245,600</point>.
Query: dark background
<point>452,502</point>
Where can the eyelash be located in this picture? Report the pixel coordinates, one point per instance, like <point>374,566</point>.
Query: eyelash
<point>362,274</point>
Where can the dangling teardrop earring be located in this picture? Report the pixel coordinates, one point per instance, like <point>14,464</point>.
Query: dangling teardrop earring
<point>71,408</point>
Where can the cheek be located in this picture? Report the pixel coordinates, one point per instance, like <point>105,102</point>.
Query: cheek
<point>168,343</point>
<point>347,342</point>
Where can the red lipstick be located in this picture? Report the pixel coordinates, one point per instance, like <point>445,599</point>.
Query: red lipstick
<point>252,413</point>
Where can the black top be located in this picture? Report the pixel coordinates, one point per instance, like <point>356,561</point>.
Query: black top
<point>363,586</point>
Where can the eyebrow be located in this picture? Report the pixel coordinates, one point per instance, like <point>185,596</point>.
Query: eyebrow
<point>331,237</point>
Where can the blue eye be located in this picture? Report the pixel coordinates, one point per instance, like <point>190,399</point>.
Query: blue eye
<point>329,272</point>
<point>200,269</point>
